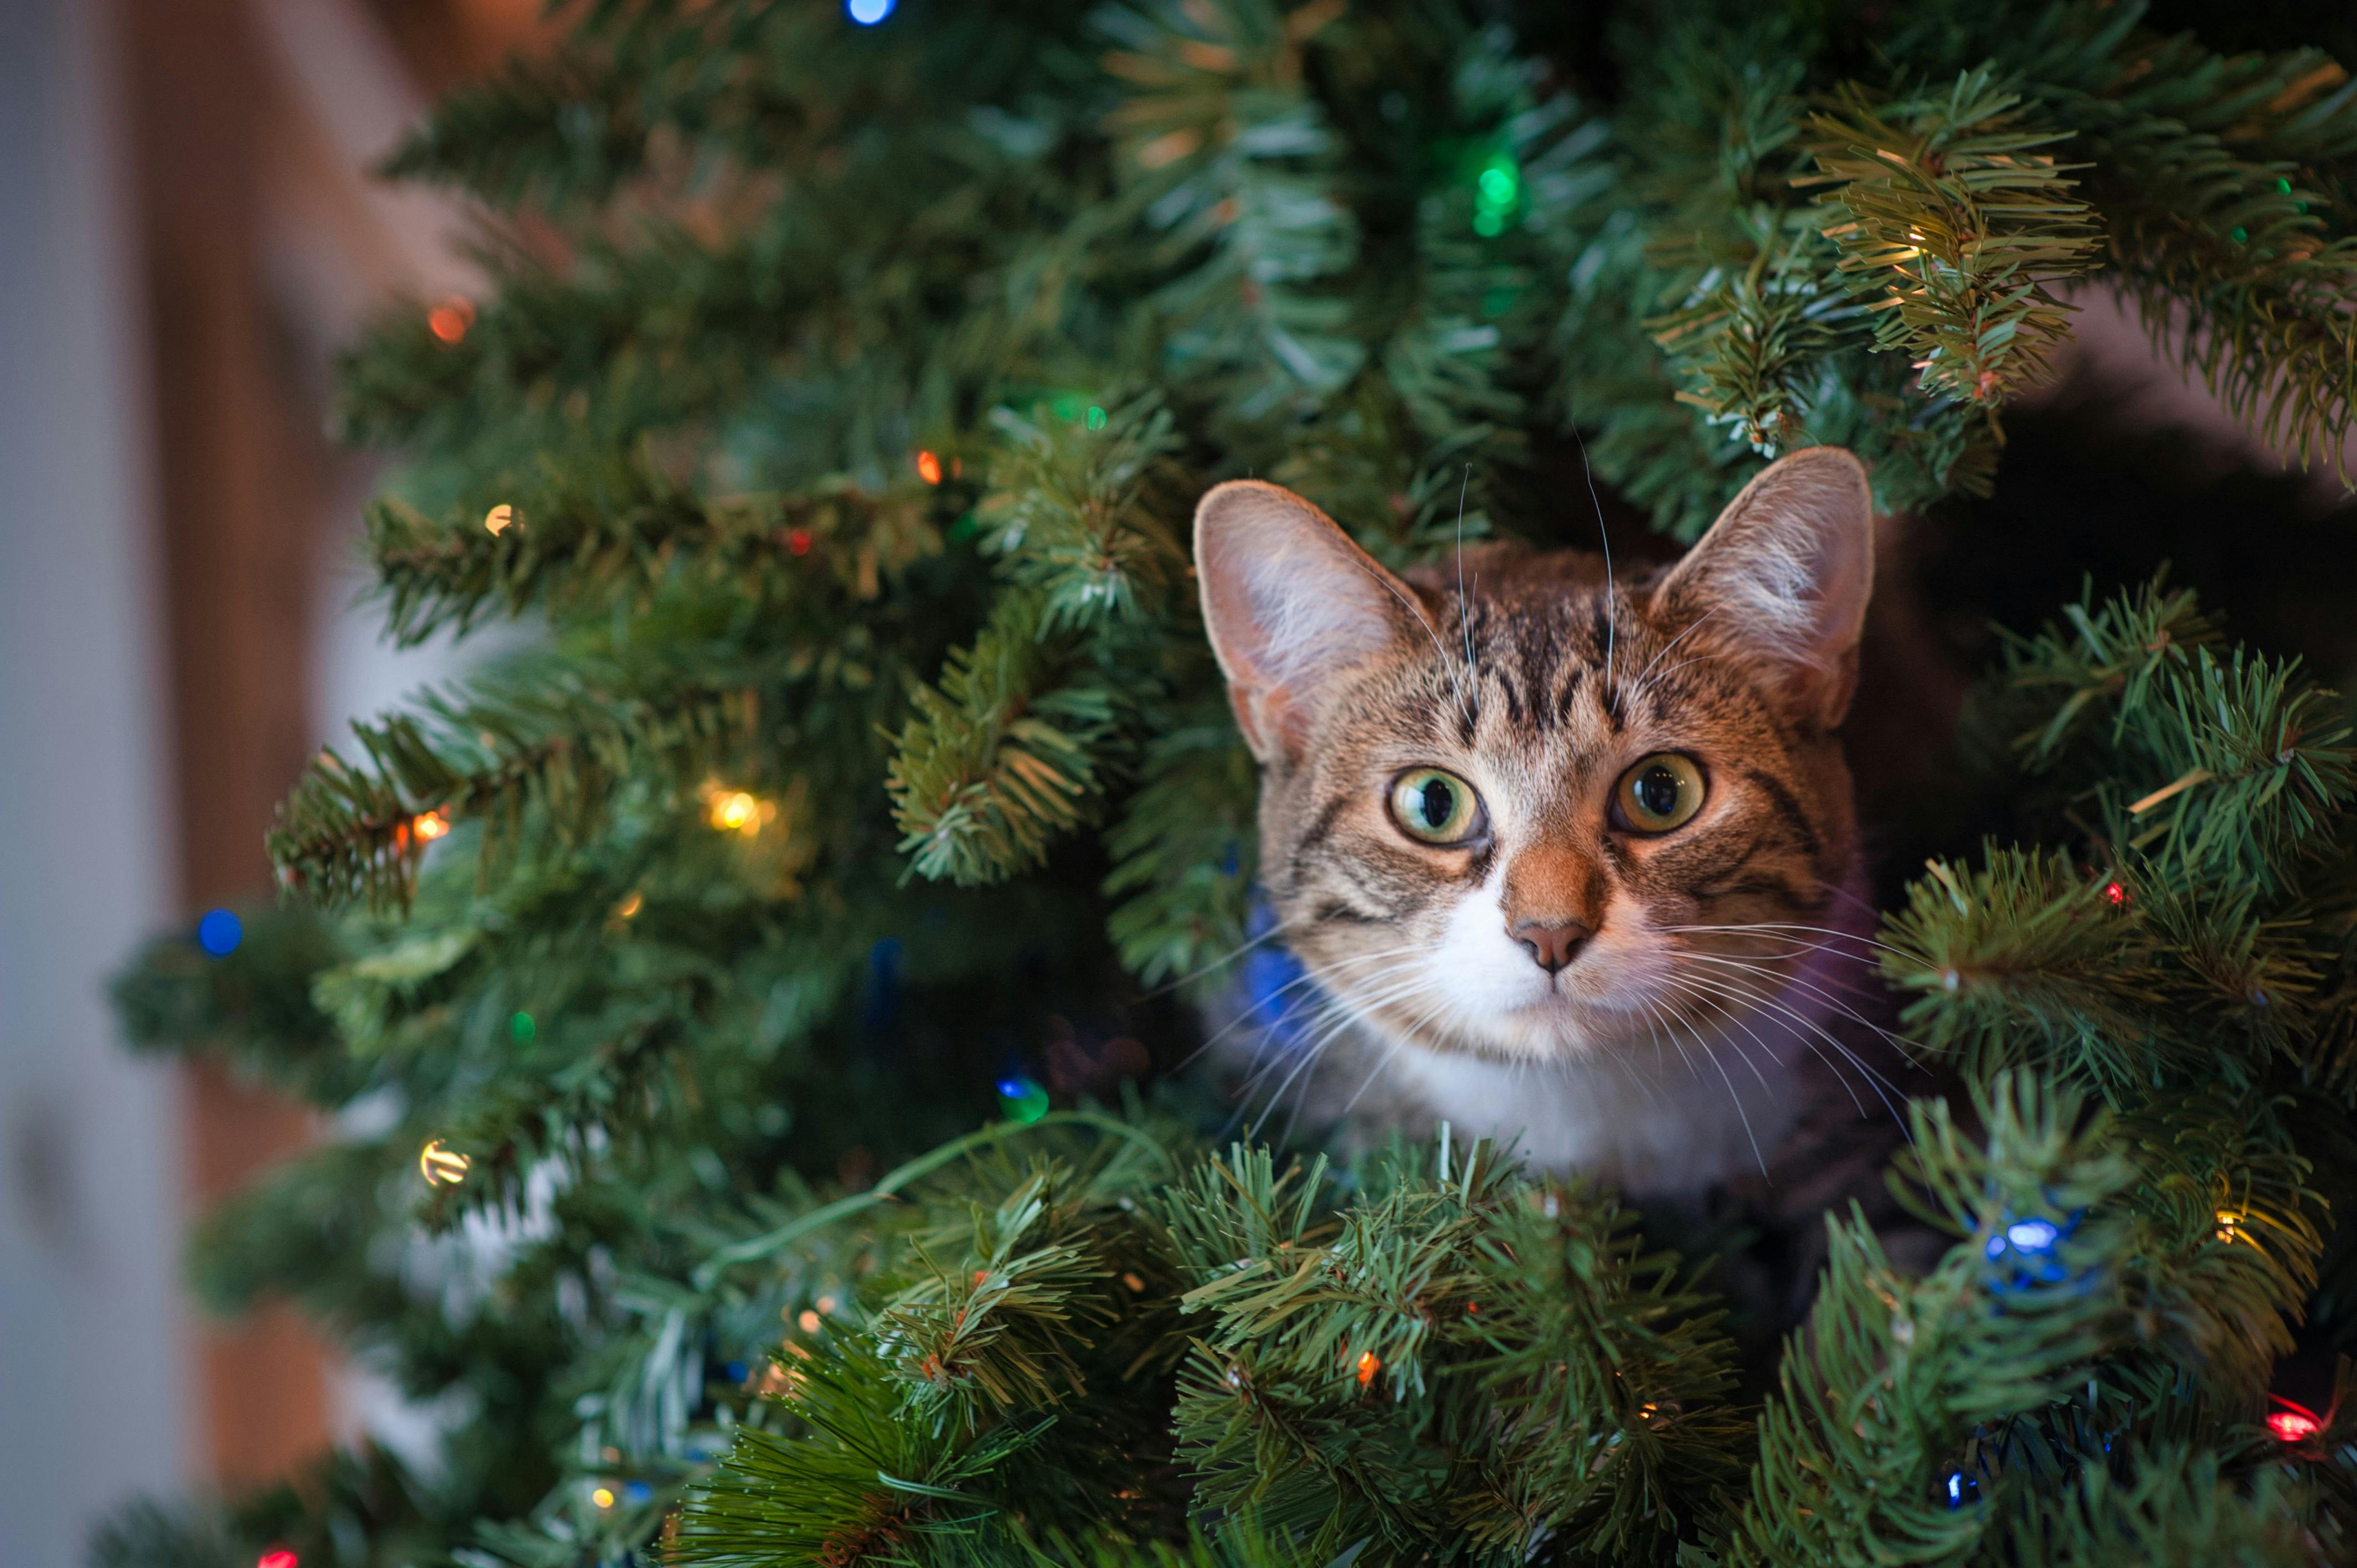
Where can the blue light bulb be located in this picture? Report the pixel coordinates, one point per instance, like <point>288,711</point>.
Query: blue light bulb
<point>867,12</point>
<point>220,932</point>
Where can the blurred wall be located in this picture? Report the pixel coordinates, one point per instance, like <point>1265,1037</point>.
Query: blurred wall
<point>94,1387</point>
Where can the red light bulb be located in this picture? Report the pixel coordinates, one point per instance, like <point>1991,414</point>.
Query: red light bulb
<point>2293,1425</point>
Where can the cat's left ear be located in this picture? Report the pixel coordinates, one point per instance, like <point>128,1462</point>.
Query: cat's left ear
<point>1786,571</point>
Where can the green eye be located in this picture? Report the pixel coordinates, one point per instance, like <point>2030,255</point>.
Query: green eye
<point>1437,807</point>
<point>1660,793</point>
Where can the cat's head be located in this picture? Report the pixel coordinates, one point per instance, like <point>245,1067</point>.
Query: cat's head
<point>1543,816</point>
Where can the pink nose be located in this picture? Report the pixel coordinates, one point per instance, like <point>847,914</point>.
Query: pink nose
<point>1552,947</point>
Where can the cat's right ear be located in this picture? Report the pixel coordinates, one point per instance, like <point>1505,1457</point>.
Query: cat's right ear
<point>1290,604</point>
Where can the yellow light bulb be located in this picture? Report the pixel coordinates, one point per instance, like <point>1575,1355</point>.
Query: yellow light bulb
<point>499,519</point>
<point>603,1497</point>
<point>441,1167</point>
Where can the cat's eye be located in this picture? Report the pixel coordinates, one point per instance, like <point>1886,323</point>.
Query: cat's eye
<point>1660,793</point>
<point>1435,806</point>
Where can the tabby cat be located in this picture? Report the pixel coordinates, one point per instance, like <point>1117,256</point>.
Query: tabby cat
<point>1565,857</point>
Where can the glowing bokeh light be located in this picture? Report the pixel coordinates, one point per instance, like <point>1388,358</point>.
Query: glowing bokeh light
<point>735,811</point>
<point>220,932</point>
<point>867,12</point>
<point>2293,1425</point>
<point>450,320</point>
<point>1023,1099</point>
<point>441,1167</point>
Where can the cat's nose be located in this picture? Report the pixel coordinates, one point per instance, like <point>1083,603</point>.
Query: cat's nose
<point>1552,947</point>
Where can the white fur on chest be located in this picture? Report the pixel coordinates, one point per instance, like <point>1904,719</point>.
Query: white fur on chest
<point>1651,1127</point>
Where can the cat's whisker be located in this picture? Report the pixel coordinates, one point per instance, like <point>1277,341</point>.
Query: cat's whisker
<point>1416,613</point>
<point>1251,1016</point>
<point>1731,1018</point>
<point>1794,925</point>
<point>1603,538</point>
<point>1640,682</point>
<point>1876,1080</point>
<point>1340,1012</point>
<point>1801,982</point>
<point>1464,600</point>
<point>1772,1002</point>
<point>1830,998</point>
<point>1346,1015</point>
<point>1643,1085</point>
<point>1694,990</point>
<point>1234,954</point>
<point>1698,659</point>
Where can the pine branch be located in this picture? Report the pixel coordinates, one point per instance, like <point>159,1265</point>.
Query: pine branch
<point>1232,161</point>
<point>1183,855</point>
<point>1878,1397</point>
<point>992,1331</point>
<point>512,757</point>
<point>2166,1505</point>
<point>997,760</point>
<point>862,1483</point>
<point>1953,218</point>
<point>2028,960</point>
<point>598,535</point>
<point>1750,343</point>
<point>2107,663</point>
<point>2222,185</point>
<point>1612,1383</point>
<point>1084,513</point>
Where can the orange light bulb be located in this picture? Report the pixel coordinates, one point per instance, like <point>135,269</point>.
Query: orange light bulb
<point>450,320</point>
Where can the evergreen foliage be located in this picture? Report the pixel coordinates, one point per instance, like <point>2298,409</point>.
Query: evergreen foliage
<point>846,391</point>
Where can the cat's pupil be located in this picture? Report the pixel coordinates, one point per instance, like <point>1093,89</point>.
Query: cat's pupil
<point>1439,802</point>
<point>1657,791</point>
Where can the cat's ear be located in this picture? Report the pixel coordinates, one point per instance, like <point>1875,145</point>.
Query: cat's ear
<point>1290,604</point>
<point>1785,571</point>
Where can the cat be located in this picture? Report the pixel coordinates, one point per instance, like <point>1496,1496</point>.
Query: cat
<point>1567,859</point>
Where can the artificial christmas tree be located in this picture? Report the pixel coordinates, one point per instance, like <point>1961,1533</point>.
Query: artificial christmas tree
<point>735,1006</point>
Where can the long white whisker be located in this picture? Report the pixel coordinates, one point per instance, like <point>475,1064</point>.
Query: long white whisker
<point>1800,983</point>
<point>1343,1016</point>
<point>1716,999</point>
<point>1681,637</point>
<point>1251,1016</point>
<point>1604,538</point>
<point>1693,989</point>
<point>1792,926</point>
<point>1875,1079</point>
<point>1167,986</point>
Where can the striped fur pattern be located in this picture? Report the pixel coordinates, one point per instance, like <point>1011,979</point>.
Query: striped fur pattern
<point>1704,960</point>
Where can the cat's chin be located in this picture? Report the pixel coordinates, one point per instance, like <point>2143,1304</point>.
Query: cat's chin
<point>1551,1027</point>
